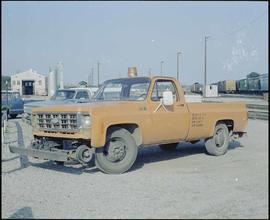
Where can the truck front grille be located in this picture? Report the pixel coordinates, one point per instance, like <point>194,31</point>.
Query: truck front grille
<point>58,121</point>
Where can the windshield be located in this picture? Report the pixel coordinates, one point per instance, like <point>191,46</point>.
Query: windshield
<point>129,89</point>
<point>63,95</point>
<point>10,95</point>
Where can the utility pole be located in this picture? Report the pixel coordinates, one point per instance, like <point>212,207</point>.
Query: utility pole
<point>6,111</point>
<point>98,63</point>
<point>205,40</point>
<point>161,62</point>
<point>7,91</point>
<point>92,77</point>
<point>88,80</point>
<point>150,71</point>
<point>178,53</point>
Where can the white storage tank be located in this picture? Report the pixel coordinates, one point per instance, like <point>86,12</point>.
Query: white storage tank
<point>51,83</point>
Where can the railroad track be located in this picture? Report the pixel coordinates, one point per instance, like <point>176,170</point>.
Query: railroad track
<point>258,115</point>
<point>255,111</point>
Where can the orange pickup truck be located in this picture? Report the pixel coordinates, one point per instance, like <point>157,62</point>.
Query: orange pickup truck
<point>125,114</point>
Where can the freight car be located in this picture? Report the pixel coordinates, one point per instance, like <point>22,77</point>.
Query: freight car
<point>241,86</point>
<point>197,88</point>
<point>253,82</point>
<point>263,82</point>
<point>227,86</point>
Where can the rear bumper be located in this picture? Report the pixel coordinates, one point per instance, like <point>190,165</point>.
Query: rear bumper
<point>56,155</point>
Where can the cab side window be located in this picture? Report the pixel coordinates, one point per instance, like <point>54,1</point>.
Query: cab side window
<point>82,95</point>
<point>161,86</point>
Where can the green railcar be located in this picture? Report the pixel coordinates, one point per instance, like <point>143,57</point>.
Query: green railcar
<point>242,85</point>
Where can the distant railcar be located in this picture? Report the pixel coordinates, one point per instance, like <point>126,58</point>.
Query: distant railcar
<point>227,86</point>
<point>242,86</point>
<point>264,82</point>
<point>221,86</point>
<point>254,84</point>
<point>196,88</point>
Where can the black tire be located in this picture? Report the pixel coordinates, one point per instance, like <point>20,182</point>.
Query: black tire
<point>218,144</point>
<point>168,147</point>
<point>118,154</point>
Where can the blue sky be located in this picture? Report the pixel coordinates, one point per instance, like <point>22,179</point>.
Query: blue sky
<point>122,34</point>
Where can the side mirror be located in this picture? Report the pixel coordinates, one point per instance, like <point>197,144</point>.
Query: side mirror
<point>167,98</point>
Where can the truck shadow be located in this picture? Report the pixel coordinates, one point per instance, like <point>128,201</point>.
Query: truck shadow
<point>9,159</point>
<point>153,154</point>
<point>146,155</point>
<point>67,168</point>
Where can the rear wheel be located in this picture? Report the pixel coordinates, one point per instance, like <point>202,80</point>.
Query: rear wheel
<point>168,147</point>
<point>218,144</point>
<point>118,154</point>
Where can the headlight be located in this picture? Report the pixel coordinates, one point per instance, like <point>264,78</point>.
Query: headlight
<point>86,121</point>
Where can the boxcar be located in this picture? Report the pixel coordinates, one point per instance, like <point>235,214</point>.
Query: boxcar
<point>263,82</point>
<point>242,86</point>
<point>196,88</point>
<point>227,86</point>
<point>253,84</point>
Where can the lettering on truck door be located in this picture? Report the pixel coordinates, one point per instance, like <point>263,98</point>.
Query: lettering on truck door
<point>173,123</point>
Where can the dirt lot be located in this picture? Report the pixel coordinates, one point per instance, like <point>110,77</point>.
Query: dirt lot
<point>186,183</point>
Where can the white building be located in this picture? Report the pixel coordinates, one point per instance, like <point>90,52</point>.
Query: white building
<point>211,91</point>
<point>29,83</point>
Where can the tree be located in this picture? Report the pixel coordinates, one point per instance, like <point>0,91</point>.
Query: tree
<point>3,82</point>
<point>83,83</point>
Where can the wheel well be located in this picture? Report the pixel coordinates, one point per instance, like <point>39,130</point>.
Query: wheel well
<point>228,122</point>
<point>133,129</point>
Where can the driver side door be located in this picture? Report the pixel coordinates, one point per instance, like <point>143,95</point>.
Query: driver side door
<point>170,123</point>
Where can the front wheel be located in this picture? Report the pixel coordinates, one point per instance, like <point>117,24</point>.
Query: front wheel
<point>218,144</point>
<point>118,154</point>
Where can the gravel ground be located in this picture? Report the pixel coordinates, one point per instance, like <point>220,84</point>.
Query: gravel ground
<point>186,183</point>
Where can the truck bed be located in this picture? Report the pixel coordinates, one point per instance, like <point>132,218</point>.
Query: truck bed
<point>204,116</point>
